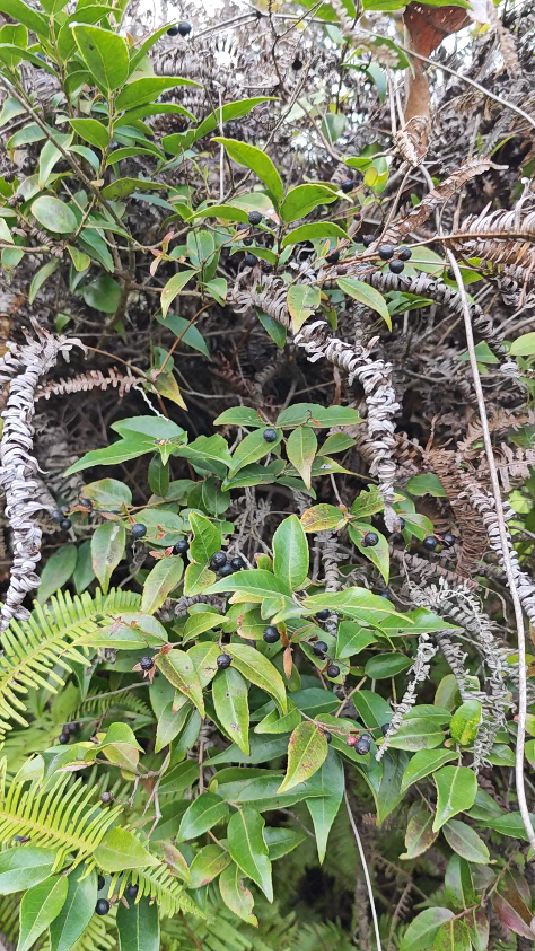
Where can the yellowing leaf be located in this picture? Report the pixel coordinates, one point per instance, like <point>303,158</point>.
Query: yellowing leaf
<point>307,750</point>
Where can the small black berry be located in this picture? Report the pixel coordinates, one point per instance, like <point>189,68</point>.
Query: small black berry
<point>328,737</point>
<point>270,435</point>
<point>102,906</point>
<point>448,539</point>
<point>363,744</point>
<point>333,257</point>
<point>22,839</point>
<point>224,661</point>
<point>430,542</point>
<point>181,547</point>
<point>146,663</point>
<point>64,739</point>
<point>132,891</point>
<point>370,539</point>
<point>249,260</point>
<point>384,728</point>
<point>397,267</point>
<point>271,635</point>
<point>332,670</point>
<point>266,267</point>
<point>65,523</point>
<point>65,730</point>
<point>450,274</point>
<point>367,239</point>
<point>320,648</point>
<point>254,217</point>
<point>101,881</point>
<point>405,254</point>
<point>172,31</point>
<point>386,251</point>
<point>184,28</point>
<point>138,531</point>
<point>225,571</point>
<point>238,563</point>
<point>297,64</point>
<point>74,727</point>
<point>347,186</point>
<point>218,560</point>
<point>106,798</point>
<point>248,241</point>
<point>85,503</point>
<point>400,522</point>
<point>323,615</point>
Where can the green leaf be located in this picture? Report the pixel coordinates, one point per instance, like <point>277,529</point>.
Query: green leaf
<point>50,154</point>
<point>378,554</point>
<point>419,836</point>
<point>177,667</point>
<point>171,721</point>
<point>206,538</point>
<point>384,666</point>
<point>105,55</point>
<point>229,695</point>
<point>227,112</point>
<point>57,571</point>
<point>77,911</point>
<point>366,295</point>
<point>466,842</point>
<point>456,788</point>
<point>138,926</point>
<point>301,448</point>
<point>523,346</point>
<point>38,908</point>
<point>320,417</point>
<point>260,671</point>
<point>324,810</point>
<point>148,89</point>
<point>422,929</point>
<point>103,293</point>
<point>251,585</point>
<point>189,335</point>
<point>248,849</point>
<point>303,300</point>
<point>207,865</point>
<point>80,259</point>
<point>22,868</point>
<point>108,494</point>
<point>107,550</point>
<point>160,582</point>
<point>236,895</point>
<point>54,215</point>
<point>322,517</point>
<point>464,723</point>
<point>11,108</point>
<point>27,15</point>
<point>250,449</point>
<point>91,131</point>
<point>372,709</point>
<point>204,812</point>
<point>273,723</point>
<point>276,331</point>
<point>304,198</point>
<point>258,162</point>
<point>240,416</point>
<point>120,849</point>
<point>351,639</point>
<point>423,763</point>
<point>290,552</point>
<point>427,483</point>
<point>311,232</point>
<point>173,287</point>
<point>307,750</point>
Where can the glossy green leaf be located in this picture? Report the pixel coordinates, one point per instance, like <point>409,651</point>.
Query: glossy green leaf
<point>77,911</point>
<point>189,335</point>
<point>260,671</point>
<point>464,723</point>
<point>419,836</point>
<point>27,15</point>
<point>301,448</point>
<point>53,214</point>
<point>366,295</point>
<point>120,849</point>
<point>250,449</point>
<point>207,865</point>
<point>523,346</point>
<point>147,89</point>
<point>260,163</point>
<point>236,895</point>
<point>248,849</point>
<point>229,695</point>
<point>38,908</point>
<point>22,868</point>
<point>104,53</point>
<point>91,131</point>
<point>307,750</point>
<point>456,788</point>
<point>290,552</point>
<point>57,570</point>
<point>160,582</point>
<point>204,812</point>
<point>423,929</point>
<point>425,762</point>
<point>138,926</point>
<point>107,550</point>
<point>312,232</point>
<point>172,289</point>
<point>465,841</point>
<point>323,810</point>
<point>206,538</point>
<point>426,483</point>
<point>384,666</point>
<point>303,199</point>
<point>103,293</point>
<point>378,554</point>
<point>179,670</point>
<point>303,300</point>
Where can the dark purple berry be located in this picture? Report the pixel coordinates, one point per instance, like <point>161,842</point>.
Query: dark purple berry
<point>328,737</point>
<point>64,739</point>
<point>146,663</point>
<point>297,64</point>
<point>386,251</point>
<point>270,435</point>
<point>367,239</point>
<point>224,661</point>
<point>85,503</point>
<point>181,547</point>
<point>132,891</point>
<point>101,881</point>
<point>248,241</point>
<point>397,267</point>
<point>138,531</point>
<point>332,670</point>
<point>271,635</point>
<point>225,571</point>
<point>249,260</point>
<point>184,28</point>
<point>73,728</point>
<point>430,542</point>
<point>320,648</point>
<point>172,31</point>
<point>333,257</point>
<point>370,539</point>
<point>254,217</point>
<point>102,906</point>
<point>448,539</point>
<point>450,274</point>
<point>218,560</point>
<point>65,523</point>
<point>238,563</point>
<point>347,186</point>
<point>363,744</point>
<point>384,728</point>
<point>405,254</point>
<point>56,516</point>
<point>323,615</point>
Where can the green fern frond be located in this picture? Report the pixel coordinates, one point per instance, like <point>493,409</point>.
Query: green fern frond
<point>101,705</point>
<point>62,816</point>
<point>53,635</point>
<point>96,936</point>
<point>159,884</point>
<point>9,917</point>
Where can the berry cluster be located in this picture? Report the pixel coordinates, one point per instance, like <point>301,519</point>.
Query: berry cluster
<point>68,730</point>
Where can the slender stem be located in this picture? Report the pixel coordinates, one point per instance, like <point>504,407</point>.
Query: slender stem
<point>354,829</point>
<point>522,678</point>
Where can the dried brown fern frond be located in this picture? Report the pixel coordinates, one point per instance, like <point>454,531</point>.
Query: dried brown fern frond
<point>91,380</point>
